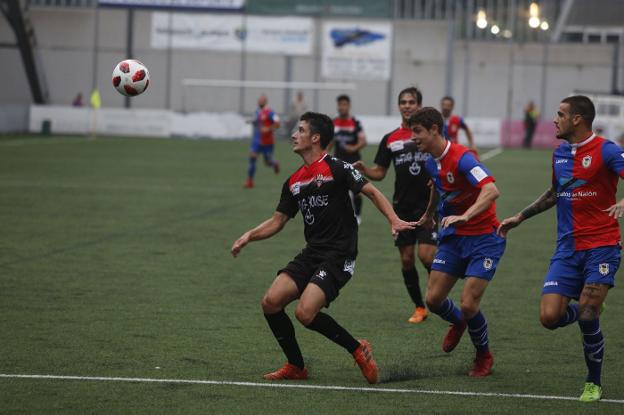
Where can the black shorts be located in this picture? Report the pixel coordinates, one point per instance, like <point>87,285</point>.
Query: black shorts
<point>418,235</point>
<point>329,272</point>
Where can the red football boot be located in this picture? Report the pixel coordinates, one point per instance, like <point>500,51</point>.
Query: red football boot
<point>453,336</point>
<point>288,372</point>
<point>482,365</point>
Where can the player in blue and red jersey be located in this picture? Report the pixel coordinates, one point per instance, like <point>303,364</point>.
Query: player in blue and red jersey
<point>454,123</point>
<point>349,139</point>
<point>586,169</point>
<point>468,247</point>
<point>262,141</point>
<point>411,194</point>
<point>320,190</point>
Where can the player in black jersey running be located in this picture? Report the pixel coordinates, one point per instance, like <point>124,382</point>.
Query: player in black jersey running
<point>411,195</point>
<point>320,190</point>
<point>349,139</point>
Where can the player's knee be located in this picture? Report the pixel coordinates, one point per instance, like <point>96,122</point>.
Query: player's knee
<point>270,304</point>
<point>433,302</point>
<point>304,314</point>
<point>407,260</point>
<point>549,320</point>
<point>469,309</point>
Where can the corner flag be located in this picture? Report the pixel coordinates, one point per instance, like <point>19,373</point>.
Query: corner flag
<point>96,100</point>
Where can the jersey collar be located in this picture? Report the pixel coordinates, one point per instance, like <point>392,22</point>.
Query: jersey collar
<point>582,143</point>
<point>317,161</point>
<point>445,152</point>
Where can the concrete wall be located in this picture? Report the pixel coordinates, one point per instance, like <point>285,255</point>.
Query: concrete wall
<point>488,79</point>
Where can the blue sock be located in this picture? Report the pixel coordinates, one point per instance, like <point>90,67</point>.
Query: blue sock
<point>477,327</point>
<point>593,348</point>
<point>251,171</point>
<point>449,312</point>
<point>570,316</point>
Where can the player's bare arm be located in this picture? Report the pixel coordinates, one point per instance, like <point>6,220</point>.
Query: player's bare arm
<point>617,210</point>
<point>354,148</point>
<point>380,201</point>
<point>489,193</point>
<point>265,230</point>
<point>376,173</point>
<point>428,218</point>
<point>547,200</point>
<point>469,136</point>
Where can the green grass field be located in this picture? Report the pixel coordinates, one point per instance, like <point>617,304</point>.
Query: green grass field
<point>114,262</point>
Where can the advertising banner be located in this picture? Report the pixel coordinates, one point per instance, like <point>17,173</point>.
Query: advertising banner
<point>356,51</point>
<point>224,5</point>
<point>283,35</point>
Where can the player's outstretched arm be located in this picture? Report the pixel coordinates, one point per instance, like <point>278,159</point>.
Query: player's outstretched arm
<point>374,173</point>
<point>265,230</point>
<point>617,210</point>
<point>547,200</point>
<point>428,218</point>
<point>489,193</point>
<point>380,201</point>
<point>469,136</point>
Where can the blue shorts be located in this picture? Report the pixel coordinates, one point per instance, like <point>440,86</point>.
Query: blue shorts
<point>469,256</point>
<point>568,274</point>
<point>266,150</point>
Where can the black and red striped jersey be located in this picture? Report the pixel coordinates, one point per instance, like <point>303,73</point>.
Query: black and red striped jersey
<point>346,131</point>
<point>321,192</point>
<point>411,190</point>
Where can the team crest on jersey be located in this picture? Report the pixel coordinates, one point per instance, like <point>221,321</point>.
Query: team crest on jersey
<point>487,263</point>
<point>296,189</point>
<point>587,161</point>
<point>414,168</point>
<point>450,178</point>
<point>319,180</point>
<point>603,269</point>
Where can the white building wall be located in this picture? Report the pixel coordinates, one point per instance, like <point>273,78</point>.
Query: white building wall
<point>66,46</point>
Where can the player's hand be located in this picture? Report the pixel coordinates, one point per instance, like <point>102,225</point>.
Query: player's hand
<point>349,148</point>
<point>359,166</point>
<point>617,210</point>
<point>426,221</point>
<point>239,244</point>
<point>399,225</point>
<point>453,220</point>
<point>507,224</point>
<point>266,129</point>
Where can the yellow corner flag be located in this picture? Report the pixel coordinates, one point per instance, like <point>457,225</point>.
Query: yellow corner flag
<point>96,100</point>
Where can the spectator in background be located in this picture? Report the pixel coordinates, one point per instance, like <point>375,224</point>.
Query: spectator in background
<point>530,122</point>
<point>454,123</point>
<point>297,107</point>
<point>77,102</point>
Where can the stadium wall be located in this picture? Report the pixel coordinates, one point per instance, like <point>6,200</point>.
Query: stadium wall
<point>490,79</point>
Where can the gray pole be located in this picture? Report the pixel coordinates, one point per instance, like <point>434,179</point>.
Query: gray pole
<point>615,67</point>
<point>450,48</point>
<point>129,45</point>
<point>96,29</point>
<point>544,84</point>
<point>317,61</point>
<point>390,83</point>
<point>288,64</point>
<point>168,68</point>
<point>243,67</point>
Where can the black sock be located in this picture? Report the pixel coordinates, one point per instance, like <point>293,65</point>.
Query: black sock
<point>328,327</point>
<point>410,276</point>
<point>284,332</point>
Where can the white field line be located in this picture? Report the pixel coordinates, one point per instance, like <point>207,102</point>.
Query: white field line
<point>491,154</point>
<point>303,386</point>
<point>37,141</point>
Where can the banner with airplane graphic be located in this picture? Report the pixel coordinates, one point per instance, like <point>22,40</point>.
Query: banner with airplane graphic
<point>356,50</point>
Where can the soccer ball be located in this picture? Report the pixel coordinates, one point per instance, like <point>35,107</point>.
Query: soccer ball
<point>130,77</point>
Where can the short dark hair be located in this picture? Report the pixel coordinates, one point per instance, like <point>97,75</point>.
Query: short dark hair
<point>413,91</point>
<point>320,124</point>
<point>343,97</point>
<point>583,106</point>
<point>448,98</point>
<point>427,117</point>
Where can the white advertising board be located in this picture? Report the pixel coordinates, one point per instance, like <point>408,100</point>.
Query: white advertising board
<point>358,51</point>
<point>285,35</point>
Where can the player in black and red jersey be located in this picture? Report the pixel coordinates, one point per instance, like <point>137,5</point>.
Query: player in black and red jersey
<point>411,195</point>
<point>349,139</point>
<point>320,190</point>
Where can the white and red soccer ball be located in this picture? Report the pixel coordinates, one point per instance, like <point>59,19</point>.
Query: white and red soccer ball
<point>130,77</point>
